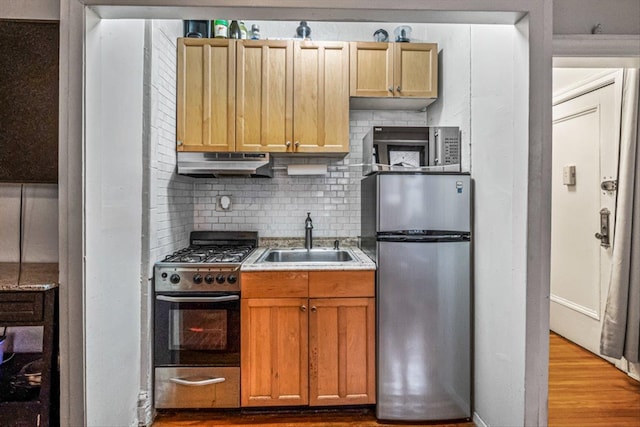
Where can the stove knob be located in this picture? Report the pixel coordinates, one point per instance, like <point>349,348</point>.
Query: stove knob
<point>208,278</point>
<point>175,279</point>
<point>197,278</point>
<point>232,278</point>
<point>220,278</point>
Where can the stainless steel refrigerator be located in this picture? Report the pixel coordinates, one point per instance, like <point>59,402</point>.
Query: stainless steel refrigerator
<point>417,227</point>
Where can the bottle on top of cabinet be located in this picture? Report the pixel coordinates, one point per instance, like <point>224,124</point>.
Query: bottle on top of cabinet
<point>234,30</point>
<point>243,30</point>
<point>220,29</point>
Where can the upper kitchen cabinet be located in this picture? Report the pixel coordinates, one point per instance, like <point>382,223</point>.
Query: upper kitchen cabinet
<point>264,96</point>
<point>277,96</point>
<point>393,75</point>
<point>321,97</point>
<point>206,95</point>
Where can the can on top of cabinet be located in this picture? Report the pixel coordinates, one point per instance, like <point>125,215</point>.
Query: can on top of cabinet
<point>221,29</point>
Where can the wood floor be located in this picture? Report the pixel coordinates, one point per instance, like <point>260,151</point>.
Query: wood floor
<point>584,390</point>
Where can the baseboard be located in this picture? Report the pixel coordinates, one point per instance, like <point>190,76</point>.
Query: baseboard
<point>478,421</point>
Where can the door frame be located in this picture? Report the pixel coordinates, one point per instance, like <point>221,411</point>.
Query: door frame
<point>597,51</point>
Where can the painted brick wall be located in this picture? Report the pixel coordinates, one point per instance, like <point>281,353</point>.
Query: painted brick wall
<point>277,207</point>
<point>170,195</point>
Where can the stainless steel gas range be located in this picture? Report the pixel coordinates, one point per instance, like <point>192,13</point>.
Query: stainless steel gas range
<point>197,321</point>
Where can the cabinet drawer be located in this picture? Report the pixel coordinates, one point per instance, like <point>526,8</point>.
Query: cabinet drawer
<point>275,284</point>
<point>21,306</point>
<point>328,284</point>
<point>188,388</point>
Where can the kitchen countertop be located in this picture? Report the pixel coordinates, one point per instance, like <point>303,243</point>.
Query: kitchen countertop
<point>362,262</point>
<point>33,277</point>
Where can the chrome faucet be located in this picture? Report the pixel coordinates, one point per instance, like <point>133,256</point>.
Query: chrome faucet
<point>308,237</point>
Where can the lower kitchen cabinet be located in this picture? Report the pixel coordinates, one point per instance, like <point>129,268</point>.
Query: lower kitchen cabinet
<point>306,347</point>
<point>342,351</point>
<point>274,356</point>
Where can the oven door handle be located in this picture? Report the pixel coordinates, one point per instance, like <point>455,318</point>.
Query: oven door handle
<point>197,299</point>
<point>208,381</point>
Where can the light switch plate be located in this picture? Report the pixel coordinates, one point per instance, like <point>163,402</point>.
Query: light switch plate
<point>569,175</point>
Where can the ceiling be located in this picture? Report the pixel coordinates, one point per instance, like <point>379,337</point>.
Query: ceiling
<point>309,14</point>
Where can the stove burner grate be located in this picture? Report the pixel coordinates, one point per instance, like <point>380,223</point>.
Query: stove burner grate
<point>210,254</point>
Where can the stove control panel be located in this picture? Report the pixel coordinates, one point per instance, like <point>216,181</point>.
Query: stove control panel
<point>196,279</point>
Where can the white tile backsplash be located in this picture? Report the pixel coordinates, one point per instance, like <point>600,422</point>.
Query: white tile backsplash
<point>277,207</point>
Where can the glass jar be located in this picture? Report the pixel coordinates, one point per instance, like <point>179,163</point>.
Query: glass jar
<point>220,29</point>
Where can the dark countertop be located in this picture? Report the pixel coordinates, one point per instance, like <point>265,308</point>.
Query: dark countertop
<point>34,276</point>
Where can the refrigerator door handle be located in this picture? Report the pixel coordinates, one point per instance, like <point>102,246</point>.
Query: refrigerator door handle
<point>463,237</point>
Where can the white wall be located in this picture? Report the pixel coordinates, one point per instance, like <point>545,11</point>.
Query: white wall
<point>499,171</point>
<point>453,106</point>
<point>113,217</point>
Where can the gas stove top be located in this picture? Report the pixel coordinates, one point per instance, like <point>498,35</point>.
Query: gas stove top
<point>210,263</point>
<point>209,254</point>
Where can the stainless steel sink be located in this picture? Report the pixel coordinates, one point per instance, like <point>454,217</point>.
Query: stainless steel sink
<point>319,255</point>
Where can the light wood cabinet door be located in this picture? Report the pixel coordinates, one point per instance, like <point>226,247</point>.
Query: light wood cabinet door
<point>400,70</point>
<point>274,357</point>
<point>342,351</point>
<point>264,101</point>
<point>415,71</point>
<point>321,97</point>
<point>371,69</point>
<point>205,95</point>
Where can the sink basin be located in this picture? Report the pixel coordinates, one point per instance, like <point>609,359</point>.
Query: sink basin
<point>306,256</point>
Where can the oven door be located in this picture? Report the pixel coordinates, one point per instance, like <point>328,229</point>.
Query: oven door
<point>197,329</point>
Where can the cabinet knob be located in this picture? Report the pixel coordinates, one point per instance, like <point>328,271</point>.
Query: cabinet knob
<point>314,308</point>
<point>399,89</point>
<point>303,308</point>
<point>287,144</point>
<point>179,143</point>
<point>391,89</point>
<point>297,144</point>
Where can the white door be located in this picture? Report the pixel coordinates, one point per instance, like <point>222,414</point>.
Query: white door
<point>585,139</point>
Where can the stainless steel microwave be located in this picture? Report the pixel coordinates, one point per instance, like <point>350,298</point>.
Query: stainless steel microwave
<point>411,149</point>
